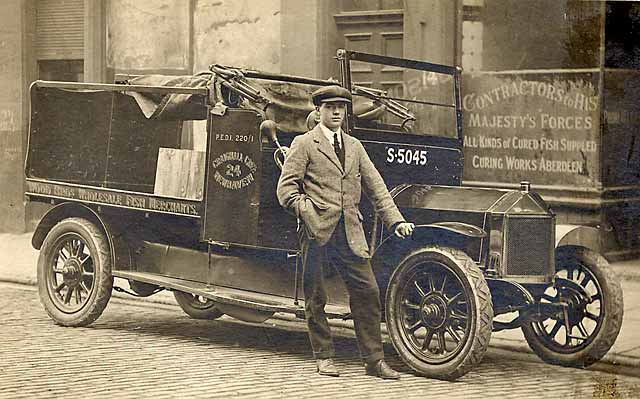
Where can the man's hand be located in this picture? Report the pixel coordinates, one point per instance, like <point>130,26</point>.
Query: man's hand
<point>404,229</point>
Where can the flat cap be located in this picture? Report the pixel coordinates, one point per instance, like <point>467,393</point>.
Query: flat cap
<point>332,93</point>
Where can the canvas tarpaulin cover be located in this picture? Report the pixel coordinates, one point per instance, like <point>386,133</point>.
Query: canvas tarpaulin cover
<point>286,103</point>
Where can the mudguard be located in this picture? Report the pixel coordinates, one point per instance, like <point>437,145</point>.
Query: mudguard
<point>120,254</point>
<point>452,234</point>
<point>579,235</point>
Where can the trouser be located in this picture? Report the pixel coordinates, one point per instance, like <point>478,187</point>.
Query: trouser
<point>364,295</point>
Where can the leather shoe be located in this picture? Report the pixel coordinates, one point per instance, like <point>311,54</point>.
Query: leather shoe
<point>382,370</point>
<point>326,367</point>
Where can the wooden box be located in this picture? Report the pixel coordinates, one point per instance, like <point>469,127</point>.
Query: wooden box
<point>180,173</point>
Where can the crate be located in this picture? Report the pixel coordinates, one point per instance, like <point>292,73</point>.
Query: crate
<point>180,173</point>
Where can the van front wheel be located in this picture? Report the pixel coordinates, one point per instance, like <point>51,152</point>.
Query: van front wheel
<point>592,299</point>
<point>439,312</point>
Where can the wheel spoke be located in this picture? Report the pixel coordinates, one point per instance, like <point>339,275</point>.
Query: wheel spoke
<point>427,339</point>
<point>444,283</point>
<point>74,247</point>
<point>78,295</point>
<point>596,297</point>
<point>79,248</point>
<point>84,287</point>
<point>441,342</point>
<point>582,330</point>
<point>569,274</point>
<point>568,336</point>
<point>548,297</point>
<point>456,316</point>
<point>415,326</point>
<point>453,334</point>
<point>450,301</point>
<point>69,247</point>
<point>585,281</point>
<point>60,287</point>
<point>420,291</point>
<point>432,287</point>
<point>82,261</point>
<point>67,297</point>
<point>62,255</point>
<point>555,329</point>
<point>410,305</point>
<point>591,316</point>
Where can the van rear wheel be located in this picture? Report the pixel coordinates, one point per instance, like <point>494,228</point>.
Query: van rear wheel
<point>74,272</point>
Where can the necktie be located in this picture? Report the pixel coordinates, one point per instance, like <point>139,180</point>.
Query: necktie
<point>337,149</point>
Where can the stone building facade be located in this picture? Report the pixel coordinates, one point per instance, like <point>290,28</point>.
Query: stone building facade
<point>562,97</point>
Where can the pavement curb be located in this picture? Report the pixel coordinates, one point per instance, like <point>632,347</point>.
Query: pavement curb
<point>612,359</point>
<point>345,328</point>
<point>624,274</point>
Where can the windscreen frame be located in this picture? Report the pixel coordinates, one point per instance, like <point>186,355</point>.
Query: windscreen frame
<point>345,57</point>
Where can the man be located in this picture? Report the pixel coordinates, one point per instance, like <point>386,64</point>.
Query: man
<point>322,180</point>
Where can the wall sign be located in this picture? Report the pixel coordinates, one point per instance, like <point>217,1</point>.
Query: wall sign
<point>539,127</point>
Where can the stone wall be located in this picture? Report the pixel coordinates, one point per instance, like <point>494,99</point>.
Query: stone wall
<point>12,119</point>
<point>174,36</point>
<point>148,35</point>
<point>238,33</point>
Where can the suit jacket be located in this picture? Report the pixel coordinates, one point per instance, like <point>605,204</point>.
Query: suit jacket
<point>316,187</point>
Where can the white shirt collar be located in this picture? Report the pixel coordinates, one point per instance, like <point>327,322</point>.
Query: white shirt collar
<point>328,133</point>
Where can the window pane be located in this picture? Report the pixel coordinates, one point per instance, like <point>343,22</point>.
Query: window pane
<point>360,5</point>
<point>544,34</point>
<point>62,70</point>
<point>622,35</point>
<point>421,104</point>
<point>371,5</point>
<point>392,4</point>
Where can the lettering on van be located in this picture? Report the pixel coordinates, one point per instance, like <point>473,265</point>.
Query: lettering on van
<point>234,170</point>
<point>118,199</point>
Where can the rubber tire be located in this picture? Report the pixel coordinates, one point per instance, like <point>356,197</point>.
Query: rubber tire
<point>477,290</point>
<point>613,310</point>
<point>103,279</point>
<point>185,301</point>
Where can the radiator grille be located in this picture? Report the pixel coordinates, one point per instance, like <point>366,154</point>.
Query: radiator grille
<point>528,243</point>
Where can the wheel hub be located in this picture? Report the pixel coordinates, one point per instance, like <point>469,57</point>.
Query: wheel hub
<point>71,272</point>
<point>577,306</point>
<point>433,311</point>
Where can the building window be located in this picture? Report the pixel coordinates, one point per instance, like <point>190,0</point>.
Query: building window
<point>511,35</point>
<point>371,5</point>
<point>64,70</point>
<point>622,35</point>
<point>472,29</point>
<point>60,39</point>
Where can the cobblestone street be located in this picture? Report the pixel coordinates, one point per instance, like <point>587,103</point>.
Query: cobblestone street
<point>155,351</point>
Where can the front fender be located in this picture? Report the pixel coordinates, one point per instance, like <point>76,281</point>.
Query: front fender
<point>464,229</point>
<point>392,249</point>
<point>452,234</point>
<point>578,235</point>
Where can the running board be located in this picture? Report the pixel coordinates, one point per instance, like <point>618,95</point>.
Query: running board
<point>231,296</point>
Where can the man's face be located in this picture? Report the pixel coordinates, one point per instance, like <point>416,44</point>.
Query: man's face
<point>332,114</point>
